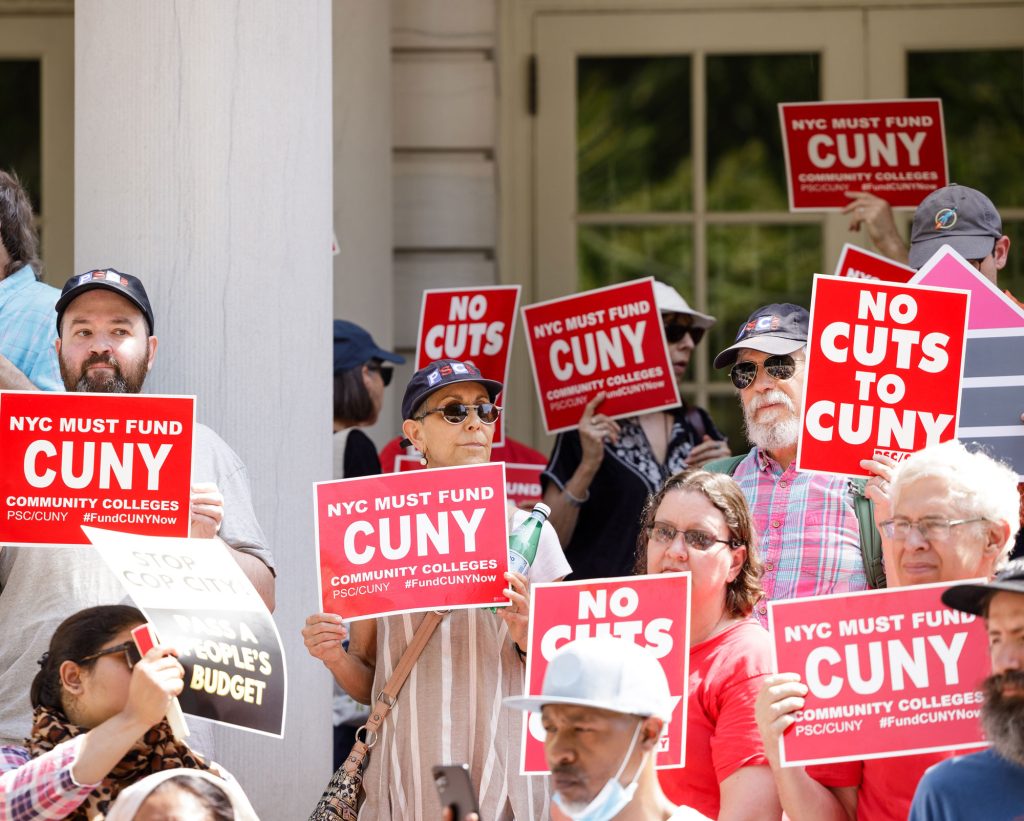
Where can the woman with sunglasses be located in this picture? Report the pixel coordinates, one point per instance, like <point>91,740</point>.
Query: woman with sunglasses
<point>699,522</point>
<point>450,707</point>
<point>98,722</point>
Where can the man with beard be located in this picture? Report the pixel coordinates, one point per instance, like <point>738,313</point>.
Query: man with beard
<point>989,784</point>
<point>814,527</point>
<point>604,703</point>
<point>106,344</point>
<point>600,475</point>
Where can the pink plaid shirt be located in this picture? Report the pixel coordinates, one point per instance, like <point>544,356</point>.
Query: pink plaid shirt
<point>33,788</point>
<point>809,538</point>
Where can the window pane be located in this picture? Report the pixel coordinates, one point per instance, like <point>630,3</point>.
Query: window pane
<point>982,96</point>
<point>746,165</point>
<point>614,253</point>
<point>754,265</point>
<point>633,134</point>
<point>19,125</point>
<point>728,416</point>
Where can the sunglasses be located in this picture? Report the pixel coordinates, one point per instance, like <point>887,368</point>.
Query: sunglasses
<point>132,656</point>
<point>675,331</point>
<point>777,367</point>
<point>456,412</point>
<point>385,373</point>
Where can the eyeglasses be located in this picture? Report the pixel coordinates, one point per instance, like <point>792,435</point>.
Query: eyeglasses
<point>665,535</point>
<point>456,412</point>
<point>132,656</point>
<point>385,373</point>
<point>777,367</point>
<point>676,329</point>
<point>931,529</point>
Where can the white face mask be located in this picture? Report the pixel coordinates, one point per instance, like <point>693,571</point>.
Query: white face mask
<point>613,796</point>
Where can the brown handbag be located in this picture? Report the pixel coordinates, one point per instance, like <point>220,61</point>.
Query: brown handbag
<point>344,794</point>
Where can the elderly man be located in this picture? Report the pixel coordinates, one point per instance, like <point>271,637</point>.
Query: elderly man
<point>604,703</point>
<point>106,344</point>
<point>27,358</point>
<point>817,532</point>
<point>954,516</point>
<point>989,784</point>
<point>600,475</point>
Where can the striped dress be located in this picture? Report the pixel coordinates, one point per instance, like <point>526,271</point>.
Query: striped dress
<point>450,712</point>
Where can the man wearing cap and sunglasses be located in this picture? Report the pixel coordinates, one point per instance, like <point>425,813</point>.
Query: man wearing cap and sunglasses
<point>814,527</point>
<point>105,344</point>
<point>600,475</point>
<point>987,784</point>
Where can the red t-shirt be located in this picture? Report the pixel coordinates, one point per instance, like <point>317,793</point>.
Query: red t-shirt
<point>513,452</point>
<point>726,672</point>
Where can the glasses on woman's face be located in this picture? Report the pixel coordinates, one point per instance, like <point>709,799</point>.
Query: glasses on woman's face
<point>931,528</point>
<point>676,329</point>
<point>132,656</point>
<point>743,374</point>
<point>385,373</point>
<point>664,535</point>
<point>456,412</point>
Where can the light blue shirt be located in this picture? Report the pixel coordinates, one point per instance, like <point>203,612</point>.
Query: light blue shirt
<point>28,327</point>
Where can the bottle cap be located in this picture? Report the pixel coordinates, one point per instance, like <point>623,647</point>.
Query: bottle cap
<point>543,509</point>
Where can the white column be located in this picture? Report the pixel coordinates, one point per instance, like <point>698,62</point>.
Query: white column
<point>203,165</point>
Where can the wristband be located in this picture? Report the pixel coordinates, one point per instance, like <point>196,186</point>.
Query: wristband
<point>573,500</point>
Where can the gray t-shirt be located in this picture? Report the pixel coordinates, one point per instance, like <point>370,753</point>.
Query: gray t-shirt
<point>42,586</point>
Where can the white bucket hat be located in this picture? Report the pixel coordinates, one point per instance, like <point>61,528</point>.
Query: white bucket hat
<point>670,301</point>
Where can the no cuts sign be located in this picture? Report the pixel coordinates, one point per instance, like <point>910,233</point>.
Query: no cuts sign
<point>420,540</point>
<point>120,461</point>
<point>472,325</point>
<point>895,149</point>
<point>653,611</point>
<point>889,672</point>
<point>610,339</point>
<point>882,373</point>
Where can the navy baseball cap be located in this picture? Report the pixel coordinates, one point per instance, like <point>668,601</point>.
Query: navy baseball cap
<point>972,598</point>
<point>107,278</point>
<point>778,328</point>
<point>354,346</point>
<point>438,375</point>
<point>957,216</point>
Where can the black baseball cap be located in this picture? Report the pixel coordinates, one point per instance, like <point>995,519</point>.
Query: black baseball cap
<point>107,278</point>
<point>440,374</point>
<point>972,598</point>
<point>353,346</point>
<point>774,329</point>
<point>958,216</point>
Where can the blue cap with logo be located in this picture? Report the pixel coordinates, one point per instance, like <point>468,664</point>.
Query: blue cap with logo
<point>778,328</point>
<point>957,216</point>
<point>440,374</point>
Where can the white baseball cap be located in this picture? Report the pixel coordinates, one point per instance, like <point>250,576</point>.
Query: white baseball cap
<point>607,673</point>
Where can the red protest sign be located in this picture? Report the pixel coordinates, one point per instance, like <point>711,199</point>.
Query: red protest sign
<point>895,149</point>
<point>120,461</point>
<point>522,484</point>
<point>419,540</point>
<point>882,373</point>
<point>889,672</point>
<point>472,325</point>
<point>653,611</point>
<point>857,263</point>
<point>610,339</point>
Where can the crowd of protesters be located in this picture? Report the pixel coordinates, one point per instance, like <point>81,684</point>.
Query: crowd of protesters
<point>82,714</point>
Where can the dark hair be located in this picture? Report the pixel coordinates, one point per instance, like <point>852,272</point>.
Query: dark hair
<point>212,797</point>
<point>352,402</point>
<point>17,229</point>
<point>743,592</point>
<point>79,635</point>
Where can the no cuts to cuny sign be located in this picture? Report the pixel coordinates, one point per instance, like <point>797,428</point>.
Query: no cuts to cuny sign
<point>118,461</point>
<point>418,540</point>
<point>892,148</point>
<point>882,373</point>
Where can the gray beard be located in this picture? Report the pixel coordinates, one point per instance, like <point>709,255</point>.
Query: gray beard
<point>772,436</point>
<point>1003,718</point>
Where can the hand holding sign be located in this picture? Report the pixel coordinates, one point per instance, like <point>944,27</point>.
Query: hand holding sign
<point>323,635</point>
<point>206,510</point>
<point>781,695</point>
<point>156,681</point>
<point>875,214</point>
<point>517,615</point>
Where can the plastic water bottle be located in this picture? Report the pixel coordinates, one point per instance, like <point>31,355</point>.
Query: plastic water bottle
<point>525,539</point>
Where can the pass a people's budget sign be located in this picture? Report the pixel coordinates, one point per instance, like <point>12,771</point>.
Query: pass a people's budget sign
<point>117,461</point>
<point>882,372</point>
<point>894,149</point>
<point>412,541</point>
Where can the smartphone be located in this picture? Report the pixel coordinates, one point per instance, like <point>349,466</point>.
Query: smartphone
<point>455,789</point>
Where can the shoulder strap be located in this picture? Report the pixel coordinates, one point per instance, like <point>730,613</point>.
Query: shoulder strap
<point>870,538</point>
<point>726,465</point>
<point>387,697</point>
